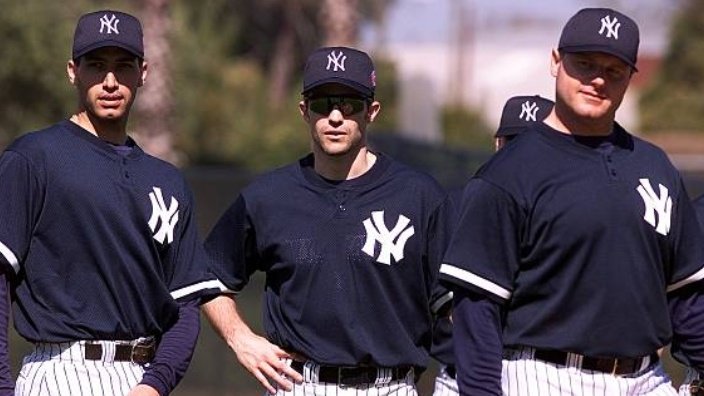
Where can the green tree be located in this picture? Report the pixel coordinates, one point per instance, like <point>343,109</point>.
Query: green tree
<point>675,101</point>
<point>465,128</point>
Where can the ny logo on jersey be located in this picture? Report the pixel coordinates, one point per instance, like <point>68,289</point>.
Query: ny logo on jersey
<point>168,216</point>
<point>611,26</point>
<point>336,61</point>
<point>529,110</point>
<point>661,204</point>
<point>392,242</point>
<point>109,24</point>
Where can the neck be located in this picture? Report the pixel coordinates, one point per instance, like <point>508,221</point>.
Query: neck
<point>110,131</point>
<point>344,167</point>
<point>565,121</point>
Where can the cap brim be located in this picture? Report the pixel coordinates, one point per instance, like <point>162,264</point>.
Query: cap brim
<point>107,43</point>
<point>510,131</point>
<point>364,91</point>
<point>598,48</point>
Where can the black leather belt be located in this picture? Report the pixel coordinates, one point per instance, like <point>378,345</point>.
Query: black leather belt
<point>140,353</point>
<point>615,366</point>
<point>352,376</point>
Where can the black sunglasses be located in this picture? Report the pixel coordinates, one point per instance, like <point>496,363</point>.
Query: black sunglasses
<point>347,105</point>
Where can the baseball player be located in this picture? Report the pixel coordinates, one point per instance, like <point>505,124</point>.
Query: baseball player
<point>350,242</point>
<point>573,239</point>
<point>518,113</point>
<point>98,238</point>
<point>689,302</point>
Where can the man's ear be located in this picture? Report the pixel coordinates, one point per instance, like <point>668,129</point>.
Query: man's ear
<point>303,109</point>
<point>373,111</point>
<point>71,71</point>
<point>143,78</point>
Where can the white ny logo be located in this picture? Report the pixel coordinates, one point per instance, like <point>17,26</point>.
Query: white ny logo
<point>377,231</point>
<point>530,109</point>
<point>662,204</point>
<point>168,216</point>
<point>336,60</point>
<point>611,27</point>
<point>110,25</point>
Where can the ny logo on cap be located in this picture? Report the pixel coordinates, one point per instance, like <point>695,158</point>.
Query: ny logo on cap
<point>337,61</point>
<point>109,24</point>
<point>611,26</point>
<point>530,110</point>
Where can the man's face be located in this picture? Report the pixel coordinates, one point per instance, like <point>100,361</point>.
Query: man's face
<point>337,117</point>
<point>107,80</point>
<point>590,84</point>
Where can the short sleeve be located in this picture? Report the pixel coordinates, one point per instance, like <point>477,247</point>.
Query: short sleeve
<point>191,278</point>
<point>483,254</point>
<point>231,247</point>
<point>686,242</point>
<point>21,195</point>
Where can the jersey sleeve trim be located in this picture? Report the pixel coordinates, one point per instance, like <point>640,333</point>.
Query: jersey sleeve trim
<point>10,257</point>
<point>211,284</point>
<point>440,302</point>
<point>697,276</point>
<point>475,280</point>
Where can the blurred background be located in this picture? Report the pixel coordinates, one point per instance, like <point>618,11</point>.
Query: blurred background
<point>225,78</point>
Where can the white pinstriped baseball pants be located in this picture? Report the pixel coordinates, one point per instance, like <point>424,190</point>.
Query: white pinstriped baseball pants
<point>523,375</point>
<point>62,370</point>
<point>445,385</point>
<point>311,387</point>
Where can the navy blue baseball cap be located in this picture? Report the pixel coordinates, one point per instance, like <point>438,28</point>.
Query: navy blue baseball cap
<point>602,30</point>
<point>342,65</point>
<point>521,111</point>
<point>108,29</point>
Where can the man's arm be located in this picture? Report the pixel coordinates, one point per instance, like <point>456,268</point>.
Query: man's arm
<point>173,355</point>
<point>478,344</point>
<point>260,357</point>
<point>7,385</point>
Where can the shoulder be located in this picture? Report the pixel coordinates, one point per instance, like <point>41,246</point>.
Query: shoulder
<point>276,181</point>
<point>401,173</point>
<point>38,140</point>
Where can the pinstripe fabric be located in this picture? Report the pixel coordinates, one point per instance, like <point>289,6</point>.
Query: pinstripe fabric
<point>311,387</point>
<point>523,375</point>
<point>61,370</point>
<point>445,385</point>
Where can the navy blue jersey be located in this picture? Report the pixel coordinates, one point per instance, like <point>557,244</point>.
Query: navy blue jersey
<point>102,244</point>
<point>350,266</point>
<point>442,347</point>
<point>579,243</point>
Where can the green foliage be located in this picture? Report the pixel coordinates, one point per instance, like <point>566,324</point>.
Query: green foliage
<point>222,103</point>
<point>221,50</point>
<point>36,46</point>
<point>675,101</point>
<point>387,94</point>
<point>465,128</point>
<point>35,90</point>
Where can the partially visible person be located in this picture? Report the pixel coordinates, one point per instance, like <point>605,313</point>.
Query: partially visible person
<point>690,302</point>
<point>98,239</point>
<point>518,113</point>
<point>577,245</point>
<point>350,241</point>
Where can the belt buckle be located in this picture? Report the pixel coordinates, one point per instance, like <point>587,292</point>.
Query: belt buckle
<point>143,351</point>
<point>347,377</point>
